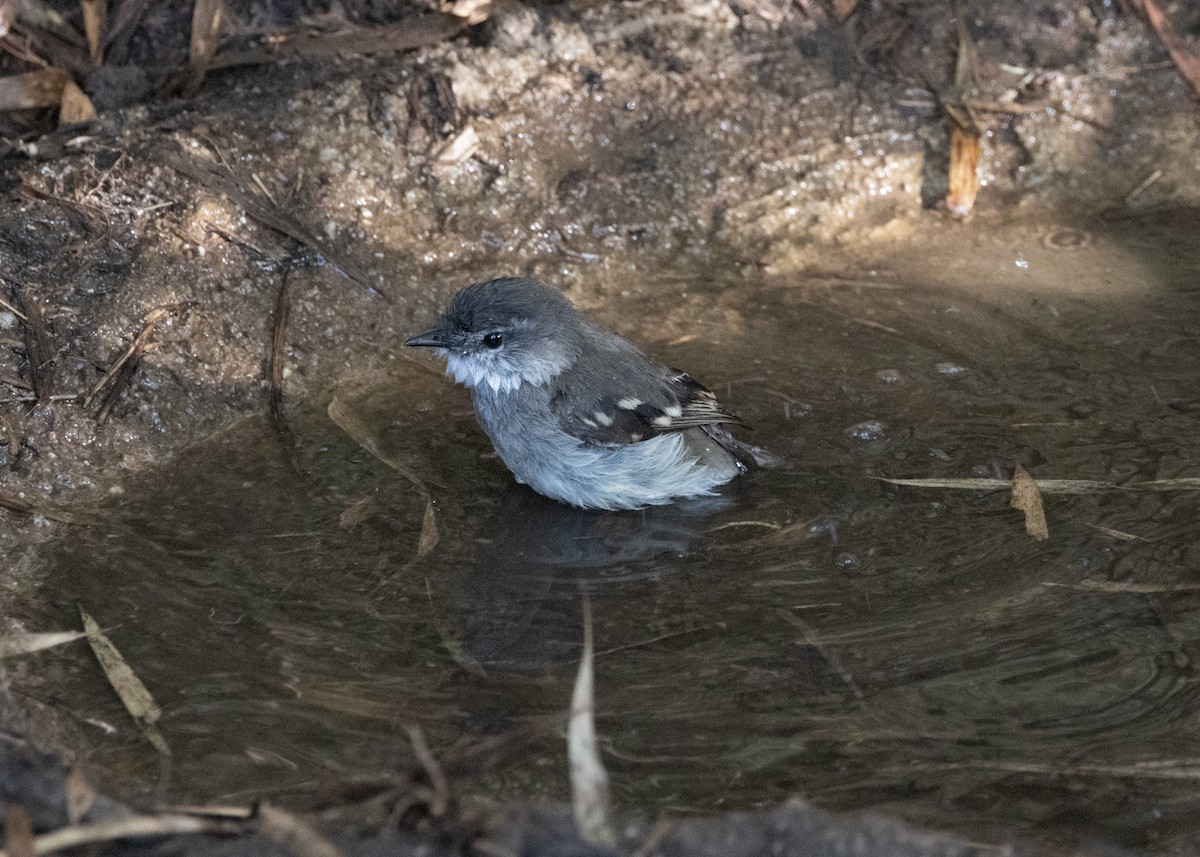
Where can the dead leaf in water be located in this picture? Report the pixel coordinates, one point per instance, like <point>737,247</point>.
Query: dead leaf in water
<point>1135,588</point>
<point>1027,498</point>
<point>294,834</point>
<point>355,513</point>
<point>1117,534</point>
<point>1046,486</point>
<point>429,531</point>
<point>23,644</point>
<point>589,780</point>
<point>353,425</point>
<point>136,698</point>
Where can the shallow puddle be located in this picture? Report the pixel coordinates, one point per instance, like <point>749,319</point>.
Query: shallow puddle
<point>819,631</point>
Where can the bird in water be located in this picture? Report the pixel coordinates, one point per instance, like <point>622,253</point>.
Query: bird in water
<point>578,413</point>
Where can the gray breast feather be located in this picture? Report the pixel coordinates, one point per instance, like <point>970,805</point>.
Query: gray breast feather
<point>562,466</point>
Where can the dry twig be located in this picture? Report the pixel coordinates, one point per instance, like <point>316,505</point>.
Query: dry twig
<point>39,348</point>
<point>1186,61</point>
<point>220,180</point>
<point>275,364</point>
<point>424,31</point>
<point>137,827</point>
<point>437,777</point>
<point>121,371</point>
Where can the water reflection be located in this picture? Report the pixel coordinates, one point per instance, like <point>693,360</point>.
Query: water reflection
<point>522,607</point>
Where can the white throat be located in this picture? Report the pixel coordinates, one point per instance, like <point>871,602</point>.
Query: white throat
<point>472,372</point>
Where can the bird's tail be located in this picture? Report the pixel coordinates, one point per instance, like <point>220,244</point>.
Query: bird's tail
<point>747,455</point>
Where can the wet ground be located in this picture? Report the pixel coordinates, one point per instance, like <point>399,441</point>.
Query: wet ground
<point>819,631</point>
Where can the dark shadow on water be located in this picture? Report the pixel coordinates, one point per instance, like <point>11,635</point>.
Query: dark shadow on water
<point>522,608</point>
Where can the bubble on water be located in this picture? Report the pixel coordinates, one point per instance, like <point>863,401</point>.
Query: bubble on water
<point>951,369</point>
<point>792,410</point>
<point>869,431</point>
<point>1021,262</point>
<point>847,560</point>
<point>825,525</point>
<point>1067,239</point>
<point>888,376</point>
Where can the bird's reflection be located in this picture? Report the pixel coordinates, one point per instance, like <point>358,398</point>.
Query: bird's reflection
<point>522,610</point>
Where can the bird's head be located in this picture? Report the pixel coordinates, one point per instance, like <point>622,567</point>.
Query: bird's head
<point>505,333</point>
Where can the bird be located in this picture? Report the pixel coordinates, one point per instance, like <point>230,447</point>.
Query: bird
<point>578,413</point>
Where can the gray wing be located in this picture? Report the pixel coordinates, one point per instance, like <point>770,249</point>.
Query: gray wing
<point>618,395</point>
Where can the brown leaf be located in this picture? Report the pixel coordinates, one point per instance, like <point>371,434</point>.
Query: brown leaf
<point>75,106</point>
<point>1027,498</point>
<point>95,17</point>
<point>41,88</point>
<point>964,170</point>
<point>207,16</point>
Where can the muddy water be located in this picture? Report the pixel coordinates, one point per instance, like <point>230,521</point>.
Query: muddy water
<point>818,631</point>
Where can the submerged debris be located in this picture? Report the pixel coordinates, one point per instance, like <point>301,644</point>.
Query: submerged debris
<point>136,698</point>
<point>589,779</point>
<point>1027,498</point>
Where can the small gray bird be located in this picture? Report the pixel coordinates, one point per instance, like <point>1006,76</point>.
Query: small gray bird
<point>576,412</point>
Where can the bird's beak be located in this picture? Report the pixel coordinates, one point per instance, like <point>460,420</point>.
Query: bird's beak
<point>432,339</point>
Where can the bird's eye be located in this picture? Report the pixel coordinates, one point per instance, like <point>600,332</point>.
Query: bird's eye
<point>493,340</point>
